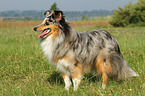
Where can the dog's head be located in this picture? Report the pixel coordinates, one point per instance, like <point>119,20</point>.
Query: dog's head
<point>53,22</point>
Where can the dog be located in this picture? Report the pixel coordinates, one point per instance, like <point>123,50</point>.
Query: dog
<point>76,53</point>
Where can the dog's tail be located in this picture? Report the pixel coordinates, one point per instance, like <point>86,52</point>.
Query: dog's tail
<point>120,67</point>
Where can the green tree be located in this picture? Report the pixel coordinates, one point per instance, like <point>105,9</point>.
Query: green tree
<point>54,6</point>
<point>130,15</point>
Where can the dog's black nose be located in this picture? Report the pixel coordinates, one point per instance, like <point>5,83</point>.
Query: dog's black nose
<point>35,29</point>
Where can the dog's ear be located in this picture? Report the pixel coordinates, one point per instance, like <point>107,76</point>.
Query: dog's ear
<point>47,12</point>
<point>58,15</point>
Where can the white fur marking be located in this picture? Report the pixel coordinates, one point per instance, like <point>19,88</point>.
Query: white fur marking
<point>44,21</point>
<point>63,65</point>
<point>76,82</point>
<point>133,73</point>
<point>67,82</point>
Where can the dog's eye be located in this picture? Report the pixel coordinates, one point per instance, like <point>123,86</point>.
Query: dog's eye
<point>50,20</point>
<point>47,23</point>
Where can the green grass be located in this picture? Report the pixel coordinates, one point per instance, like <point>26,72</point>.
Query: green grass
<point>24,70</point>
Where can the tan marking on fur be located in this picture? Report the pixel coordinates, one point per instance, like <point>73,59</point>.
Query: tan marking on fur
<point>64,57</point>
<point>63,75</point>
<point>105,78</point>
<point>57,17</point>
<point>77,70</point>
<point>41,27</point>
<point>100,64</point>
<point>54,29</point>
<point>102,68</point>
<point>108,67</point>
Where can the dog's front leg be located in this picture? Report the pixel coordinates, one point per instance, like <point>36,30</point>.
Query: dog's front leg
<point>67,81</point>
<point>76,82</point>
<point>77,75</point>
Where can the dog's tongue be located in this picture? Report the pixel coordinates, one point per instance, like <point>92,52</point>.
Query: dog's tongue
<point>42,34</point>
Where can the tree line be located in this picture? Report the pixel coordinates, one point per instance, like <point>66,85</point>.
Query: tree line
<point>35,14</point>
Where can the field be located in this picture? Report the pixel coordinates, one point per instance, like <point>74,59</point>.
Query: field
<point>24,70</point>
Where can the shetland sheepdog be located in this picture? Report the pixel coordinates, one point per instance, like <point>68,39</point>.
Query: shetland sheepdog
<point>76,53</point>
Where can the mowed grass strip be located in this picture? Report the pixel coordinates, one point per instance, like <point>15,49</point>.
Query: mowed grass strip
<point>24,70</point>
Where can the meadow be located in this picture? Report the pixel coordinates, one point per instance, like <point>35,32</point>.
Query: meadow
<point>25,71</point>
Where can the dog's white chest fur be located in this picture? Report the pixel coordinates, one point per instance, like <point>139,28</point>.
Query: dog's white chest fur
<point>47,47</point>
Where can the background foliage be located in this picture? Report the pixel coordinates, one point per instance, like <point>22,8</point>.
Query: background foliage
<point>54,6</point>
<point>130,15</point>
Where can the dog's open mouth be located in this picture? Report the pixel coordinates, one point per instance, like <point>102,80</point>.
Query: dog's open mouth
<point>44,33</point>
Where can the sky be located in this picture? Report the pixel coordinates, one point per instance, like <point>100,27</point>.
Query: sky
<point>64,5</point>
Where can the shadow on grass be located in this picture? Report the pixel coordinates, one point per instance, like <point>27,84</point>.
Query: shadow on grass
<point>56,78</point>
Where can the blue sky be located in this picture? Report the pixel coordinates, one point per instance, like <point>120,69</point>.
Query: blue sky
<point>64,5</point>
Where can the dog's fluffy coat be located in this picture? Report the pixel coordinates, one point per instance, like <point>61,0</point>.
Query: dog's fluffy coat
<point>75,53</point>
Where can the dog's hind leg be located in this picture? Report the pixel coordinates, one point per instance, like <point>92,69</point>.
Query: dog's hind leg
<point>104,76</point>
<point>76,75</point>
<point>67,81</point>
<point>103,68</point>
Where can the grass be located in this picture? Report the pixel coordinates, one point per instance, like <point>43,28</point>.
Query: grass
<point>24,70</point>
